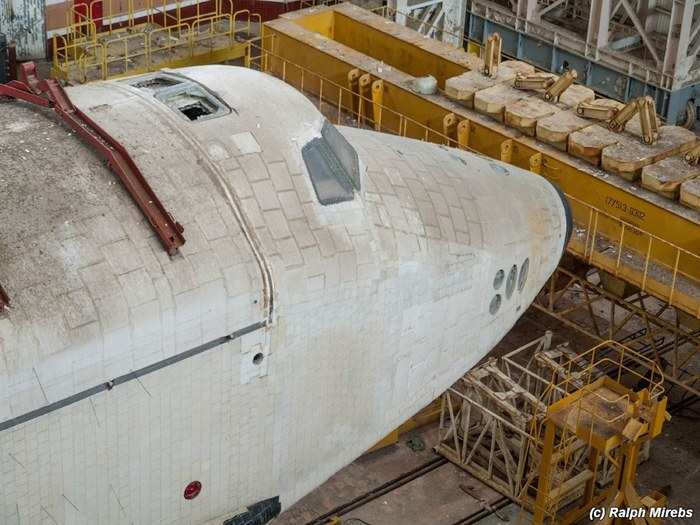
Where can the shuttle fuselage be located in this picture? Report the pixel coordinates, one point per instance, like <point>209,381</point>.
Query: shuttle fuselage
<point>333,282</point>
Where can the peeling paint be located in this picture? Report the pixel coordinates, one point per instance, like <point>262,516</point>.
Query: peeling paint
<point>23,22</point>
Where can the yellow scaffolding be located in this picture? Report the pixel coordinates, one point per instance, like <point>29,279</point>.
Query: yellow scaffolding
<point>116,44</point>
<point>612,420</point>
<point>556,431</point>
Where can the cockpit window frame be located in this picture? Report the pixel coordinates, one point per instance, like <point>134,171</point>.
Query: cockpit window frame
<point>180,93</point>
<point>333,165</point>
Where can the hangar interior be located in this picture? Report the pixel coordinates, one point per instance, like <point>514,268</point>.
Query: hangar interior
<point>590,401</point>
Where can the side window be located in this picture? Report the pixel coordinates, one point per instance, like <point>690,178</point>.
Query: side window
<point>333,165</point>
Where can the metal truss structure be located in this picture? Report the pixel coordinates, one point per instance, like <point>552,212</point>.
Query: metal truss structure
<point>643,323</point>
<point>530,424</point>
<point>440,19</point>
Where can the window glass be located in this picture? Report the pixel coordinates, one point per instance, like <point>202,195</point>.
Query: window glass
<point>333,166</point>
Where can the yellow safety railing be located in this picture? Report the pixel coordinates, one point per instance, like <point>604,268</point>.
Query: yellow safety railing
<point>340,100</point>
<point>644,269</point>
<point>166,40</point>
<point>247,19</point>
<point>94,58</point>
<point>124,50</point>
<point>615,360</point>
<point>86,53</point>
<point>218,9</point>
<point>204,29</point>
<point>159,12</point>
<point>81,27</point>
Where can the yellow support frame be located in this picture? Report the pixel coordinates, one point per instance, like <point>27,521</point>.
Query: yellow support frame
<point>126,48</point>
<point>615,427</point>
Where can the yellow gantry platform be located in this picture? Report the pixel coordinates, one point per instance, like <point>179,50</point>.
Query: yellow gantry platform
<point>115,43</point>
<point>359,63</point>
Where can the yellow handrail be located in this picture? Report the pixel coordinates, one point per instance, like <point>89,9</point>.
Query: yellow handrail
<point>210,30</point>
<point>78,56</point>
<point>172,40</point>
<point>624,258</point>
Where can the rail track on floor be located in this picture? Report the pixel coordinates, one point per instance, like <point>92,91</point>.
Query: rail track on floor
<point>399,481</point>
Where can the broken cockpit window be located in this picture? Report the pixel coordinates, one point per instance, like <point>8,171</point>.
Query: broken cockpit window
<point>333,166</point>
<point>192,101</point>
<point>188,98</point>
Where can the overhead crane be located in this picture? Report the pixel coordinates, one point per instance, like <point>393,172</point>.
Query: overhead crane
<point>361,68</point>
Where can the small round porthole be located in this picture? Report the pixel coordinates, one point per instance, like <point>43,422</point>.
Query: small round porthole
<point>495,304</point>
<point>522,278</point>
<point>510,283</point>
<point>498,280</point>
<point>258,358</point>
<point>192,490</point>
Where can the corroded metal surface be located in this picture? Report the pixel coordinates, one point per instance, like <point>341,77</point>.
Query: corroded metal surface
<point>23,23</point>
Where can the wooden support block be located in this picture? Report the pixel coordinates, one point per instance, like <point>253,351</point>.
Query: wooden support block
<point>628,157</point>
<point>463,87</point>
<point>556,128</point>
<point>690,193</point>
<point>608,103</point>
<point>525,113</point>
<point>666,176</point>
<point>588,143</point>
<point>493,101</point>
<point>576,94</point>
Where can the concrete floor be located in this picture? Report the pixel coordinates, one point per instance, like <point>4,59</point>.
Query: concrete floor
<point>437,499</point>
<point>675,464</point>
<point>433,499</point>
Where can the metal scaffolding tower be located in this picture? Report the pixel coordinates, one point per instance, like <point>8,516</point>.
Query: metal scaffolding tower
<point>441,19</point>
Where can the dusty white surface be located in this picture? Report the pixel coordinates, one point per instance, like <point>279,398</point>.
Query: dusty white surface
<point>379,303</point>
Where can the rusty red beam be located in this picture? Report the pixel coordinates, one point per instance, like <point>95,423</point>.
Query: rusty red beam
<point>166,227</point>
<point>49,93</point>
<point>17,90</point>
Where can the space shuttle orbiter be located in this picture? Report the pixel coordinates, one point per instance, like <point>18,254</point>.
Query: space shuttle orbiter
<point>332,282</point>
